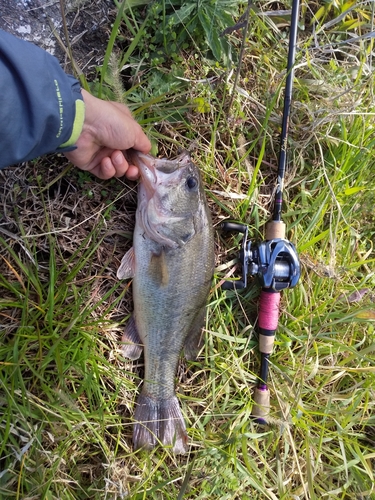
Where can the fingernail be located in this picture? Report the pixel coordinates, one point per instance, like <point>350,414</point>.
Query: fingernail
<point>118,159</point>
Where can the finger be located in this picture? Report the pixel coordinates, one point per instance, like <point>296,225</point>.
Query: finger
<point>120,163</point>
<point>132,173</point>
<point>105,170</point>
<point>141,141</point>
<point>95,159</point>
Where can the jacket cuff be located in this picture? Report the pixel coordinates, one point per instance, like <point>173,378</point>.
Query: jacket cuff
<point>77,126</point>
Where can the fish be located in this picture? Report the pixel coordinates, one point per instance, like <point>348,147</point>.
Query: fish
<point>171,263</point>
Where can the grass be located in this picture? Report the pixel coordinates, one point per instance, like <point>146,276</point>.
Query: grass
<point>67,395</point>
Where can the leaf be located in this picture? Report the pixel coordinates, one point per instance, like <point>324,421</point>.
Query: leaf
<point>201,105</point>
<point>353,190</point>
<point>212,35</point>
<point>320,13</point>
<point>180,15</point>
<point>352,24</point>
<point>224,19</point>
<point>369,314</point>
<point>346,6</point>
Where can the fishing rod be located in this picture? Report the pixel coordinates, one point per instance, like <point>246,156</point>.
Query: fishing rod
<point>275,260</point>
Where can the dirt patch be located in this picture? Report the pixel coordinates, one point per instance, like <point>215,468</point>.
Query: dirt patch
<point>41,22</point>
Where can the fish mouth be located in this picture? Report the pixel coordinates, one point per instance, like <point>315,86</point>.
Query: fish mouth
<point>152,169</point>
<point>146,166</point>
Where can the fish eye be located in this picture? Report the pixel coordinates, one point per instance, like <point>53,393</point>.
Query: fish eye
<point>191,182</point>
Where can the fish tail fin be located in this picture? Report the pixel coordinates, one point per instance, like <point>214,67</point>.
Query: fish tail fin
<point>159,422</point>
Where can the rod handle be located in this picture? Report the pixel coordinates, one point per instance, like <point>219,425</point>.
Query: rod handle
<point>269,306</point>
<point>275,230</point>
<point>261,406</point>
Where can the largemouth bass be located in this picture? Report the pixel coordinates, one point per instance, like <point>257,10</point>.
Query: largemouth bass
<point>171,263</point>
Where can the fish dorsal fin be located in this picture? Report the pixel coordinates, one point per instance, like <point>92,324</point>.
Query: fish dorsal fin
<point>127,266</point>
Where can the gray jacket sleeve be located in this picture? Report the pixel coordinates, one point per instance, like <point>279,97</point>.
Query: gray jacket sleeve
<point>41,107</point>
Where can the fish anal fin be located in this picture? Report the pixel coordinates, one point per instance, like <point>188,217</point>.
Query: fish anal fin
<point>127,266</point>
<point>159,422</point>
<point>193,341</point>
<point>132,345</point>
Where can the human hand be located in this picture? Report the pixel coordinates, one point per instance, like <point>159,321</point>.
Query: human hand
<point>108,131</point>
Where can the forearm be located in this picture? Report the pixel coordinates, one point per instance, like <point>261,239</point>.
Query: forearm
<point>41,108</point>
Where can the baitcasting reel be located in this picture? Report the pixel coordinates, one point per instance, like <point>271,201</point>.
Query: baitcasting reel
<point>274,261</point>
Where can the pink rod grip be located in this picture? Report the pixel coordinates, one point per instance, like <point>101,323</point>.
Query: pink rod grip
<point>269,310</point>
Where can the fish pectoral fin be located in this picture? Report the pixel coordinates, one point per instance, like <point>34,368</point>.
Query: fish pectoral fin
<point>193,341</point>
<point>158,269</point>
<point>132,344</point>
<point>127,266</point>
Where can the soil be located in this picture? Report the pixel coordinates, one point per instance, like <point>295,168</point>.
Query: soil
<point>41,22</point>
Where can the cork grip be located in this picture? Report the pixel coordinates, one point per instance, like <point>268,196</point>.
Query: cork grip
<point>261,407</point>
<point>275,229</point>
<point>266,343</point>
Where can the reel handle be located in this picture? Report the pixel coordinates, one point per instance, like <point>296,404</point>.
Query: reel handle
<point>234,227</point>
